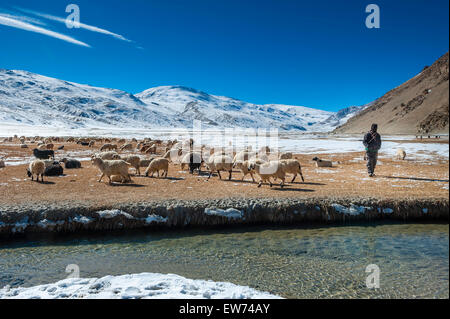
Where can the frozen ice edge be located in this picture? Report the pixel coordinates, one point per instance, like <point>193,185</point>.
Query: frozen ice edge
<point>136,286</point>
<point>357,210</point>
<point>20,226</point>
<point>230,213</point>
<point>352,210</point>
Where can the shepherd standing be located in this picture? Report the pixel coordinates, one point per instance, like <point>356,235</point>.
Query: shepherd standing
<point>372,142</point>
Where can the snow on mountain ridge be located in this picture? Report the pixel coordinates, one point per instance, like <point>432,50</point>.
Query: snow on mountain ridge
<point>38,100</point>
<point>33,99</point>
<point>222,110</point>
<point>343,115</point>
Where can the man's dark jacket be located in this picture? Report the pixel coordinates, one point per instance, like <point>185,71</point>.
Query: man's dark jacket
<point>372,141</point>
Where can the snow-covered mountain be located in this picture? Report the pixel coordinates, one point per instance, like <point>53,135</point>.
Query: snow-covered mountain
<point>31,99</point>
<point>188,104</point>
<point>343,115</point>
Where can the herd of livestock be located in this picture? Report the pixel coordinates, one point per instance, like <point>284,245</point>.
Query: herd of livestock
<point>155,156</point>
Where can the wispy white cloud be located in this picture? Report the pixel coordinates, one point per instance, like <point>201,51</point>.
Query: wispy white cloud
<point>23,18</point>
<point>82,25</point>
<point>12,22</point>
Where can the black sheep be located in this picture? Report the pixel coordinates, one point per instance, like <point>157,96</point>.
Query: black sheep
<point>193,165</point>
<point>71,163</point>
<point>43,154</point>
<point>54,170</point>
<point>61,147</point>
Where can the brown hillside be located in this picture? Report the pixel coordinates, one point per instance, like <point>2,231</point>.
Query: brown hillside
<point>420,105</point>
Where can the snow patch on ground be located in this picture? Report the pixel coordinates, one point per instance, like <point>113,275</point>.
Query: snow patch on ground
<point>385,210</point>
<point>108,214</point>
<point>48,223</point>
<point>135,286</point>
<point>230,213</point>
<point>324,171</point>
<point>155,219</point>
<point>83,219</point>
<point>352,210</point>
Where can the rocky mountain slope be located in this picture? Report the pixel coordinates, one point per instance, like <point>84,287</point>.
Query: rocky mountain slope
<point>418,106</point>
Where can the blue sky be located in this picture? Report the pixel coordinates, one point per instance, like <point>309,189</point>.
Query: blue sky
<point>312,53</point>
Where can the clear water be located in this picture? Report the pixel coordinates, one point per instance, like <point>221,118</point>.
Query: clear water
<point>325,262</point>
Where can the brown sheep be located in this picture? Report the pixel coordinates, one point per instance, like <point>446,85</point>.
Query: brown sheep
<point>158,164</point>
<point>109,147</point>
<point>114,167</point>
<point>269,170</point>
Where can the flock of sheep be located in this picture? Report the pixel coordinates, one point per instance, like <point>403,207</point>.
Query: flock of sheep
<point>269,168</point>
<point>159,154</point>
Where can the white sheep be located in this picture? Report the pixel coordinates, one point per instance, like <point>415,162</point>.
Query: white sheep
<point>243,156</point>
<point>135,161</point>
<point>177,146</point>
<point>292,166</point>
<point>107,155</point>
<point>269,170</point>
<point>322,163</point>
<point>401,154</point>
<point>219,163</point>
<point>218,152</point>
<point>158,164</point>
<point>173,155</point>
<point>244,167</point>
<point>114,167</point>
<point>259,156</point>
<point>36,168</point>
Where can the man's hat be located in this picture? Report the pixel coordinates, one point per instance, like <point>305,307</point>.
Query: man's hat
<point>374,127</point>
